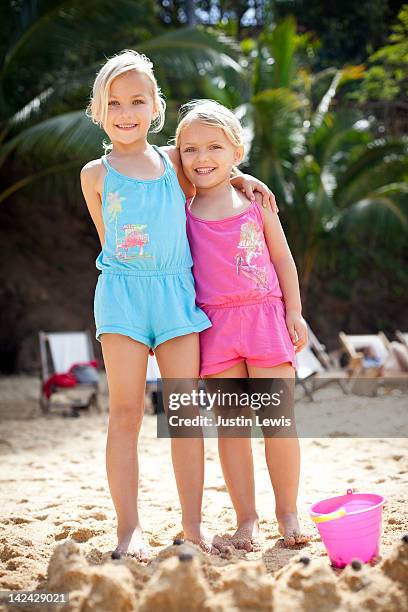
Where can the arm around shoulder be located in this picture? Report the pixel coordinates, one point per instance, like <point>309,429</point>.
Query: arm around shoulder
<point>174,155</point>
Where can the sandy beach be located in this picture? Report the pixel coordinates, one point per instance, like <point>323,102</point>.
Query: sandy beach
<point>57,524</point>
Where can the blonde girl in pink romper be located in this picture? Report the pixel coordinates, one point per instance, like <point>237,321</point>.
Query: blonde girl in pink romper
<point>247,284</point>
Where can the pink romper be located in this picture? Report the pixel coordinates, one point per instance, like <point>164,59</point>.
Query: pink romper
<point>238,289</point>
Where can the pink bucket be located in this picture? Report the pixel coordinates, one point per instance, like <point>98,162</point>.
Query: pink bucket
<point>350,526</point>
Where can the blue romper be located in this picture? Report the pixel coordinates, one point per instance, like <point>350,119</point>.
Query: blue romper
<point>146,289</point>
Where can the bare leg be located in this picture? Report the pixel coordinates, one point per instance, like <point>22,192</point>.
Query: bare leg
<point>283,461</point>
<point>180,358</point>
<point>125,362</point>
<point>238,469</point>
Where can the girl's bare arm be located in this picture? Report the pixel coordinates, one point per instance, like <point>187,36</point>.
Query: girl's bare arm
<point>285,267</point>
<point>186,185</point>
<point>90,181</point>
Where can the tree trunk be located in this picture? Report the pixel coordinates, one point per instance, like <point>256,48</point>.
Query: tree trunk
<point>190,13</point>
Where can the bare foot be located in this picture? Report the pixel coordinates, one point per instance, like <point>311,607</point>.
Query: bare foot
<point>290,530</point>
<point>246,536</point>
<point>214,545</point>
<point>132,545</point>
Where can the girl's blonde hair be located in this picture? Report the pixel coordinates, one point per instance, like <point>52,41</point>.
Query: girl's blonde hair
<point>211,113</point>
<point>125,61</point>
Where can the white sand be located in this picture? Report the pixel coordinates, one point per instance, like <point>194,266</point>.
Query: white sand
<point>54,491</point>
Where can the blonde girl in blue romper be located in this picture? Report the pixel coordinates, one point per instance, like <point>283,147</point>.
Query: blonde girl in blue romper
<point>145,297</point>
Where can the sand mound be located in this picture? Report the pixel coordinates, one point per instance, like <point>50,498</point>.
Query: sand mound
<point>396,565</point>
<point>101,588</point>
<point>182,578</point>
<point>58,526</point>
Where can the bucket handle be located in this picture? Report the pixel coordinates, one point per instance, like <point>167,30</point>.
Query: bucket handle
<point>323,518</point>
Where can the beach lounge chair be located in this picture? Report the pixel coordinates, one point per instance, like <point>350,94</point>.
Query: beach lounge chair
<point>383,374</point>
<point>152,391</point>
<point>355,344</point>
<point>315,368</point>
<point>68,361</point>
<point>153,372</point>
<point>402,337</point>
<point>307,367</point>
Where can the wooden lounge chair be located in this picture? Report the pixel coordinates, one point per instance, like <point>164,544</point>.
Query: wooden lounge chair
<point>316,368</point>
<point>59,352</point>
<point>354,345</point>
<point>402,337</point>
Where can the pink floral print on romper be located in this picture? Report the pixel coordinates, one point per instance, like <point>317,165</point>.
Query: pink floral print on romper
<point>252,244</point>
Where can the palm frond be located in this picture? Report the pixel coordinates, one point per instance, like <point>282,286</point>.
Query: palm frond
<point>338,142</point>
<point>282,43</point>
<point>55,24</point>
<point>29,179</point>
<point>380,164</point>
<point>374,212</point>
<point>205,42</point>
<point>276,120</point>
<point>61,138</point>
<point>194,52</point>
<point>341,77</point>
<point>325,102</point>
<point>32,108</point>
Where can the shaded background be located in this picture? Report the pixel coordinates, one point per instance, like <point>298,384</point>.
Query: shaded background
<point>321,89</point>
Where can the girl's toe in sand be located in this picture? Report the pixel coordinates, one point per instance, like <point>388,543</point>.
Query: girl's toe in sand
<point>207,547</point>
<point>289,539</point>
<point>246,543</point>
<point>295,538</point>
<point>246,537</point>
<point>302,538</point>
<point>213,545</point>
<point>141,555</point>
<point>133,546</point>
<point>290,530</point>
<point>224,546</point>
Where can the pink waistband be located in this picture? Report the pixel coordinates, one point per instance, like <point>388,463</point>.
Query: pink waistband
<point>247,302</point>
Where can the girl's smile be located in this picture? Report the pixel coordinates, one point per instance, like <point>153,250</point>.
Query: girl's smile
<point>126,126</point>
<point>130,107</point>
<point>203,171</point>
<point>207,154</point>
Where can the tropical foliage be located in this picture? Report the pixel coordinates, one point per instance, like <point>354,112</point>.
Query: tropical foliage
<point>53,51</point>
<point>386,77</point>
<point>327,171</point>
<point>347,31</point>
<point>332,176</point>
